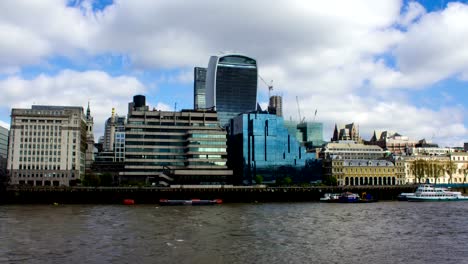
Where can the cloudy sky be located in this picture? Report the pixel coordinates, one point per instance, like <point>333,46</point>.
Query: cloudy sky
<point>387,64</point>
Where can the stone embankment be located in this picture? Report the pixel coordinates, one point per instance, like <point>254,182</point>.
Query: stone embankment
<point>149,195</point>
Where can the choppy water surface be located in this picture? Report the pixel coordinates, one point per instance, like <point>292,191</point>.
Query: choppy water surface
<point>384,232</point>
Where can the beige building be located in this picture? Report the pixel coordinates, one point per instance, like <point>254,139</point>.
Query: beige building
<point>47,145</point>
<point>365,172</point>
<point>392,142</point>
<point>186,147</point>
<point>347,149</point>
<point>444,169</point>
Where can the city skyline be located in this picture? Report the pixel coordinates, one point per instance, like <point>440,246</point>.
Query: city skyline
<point>391,65</point>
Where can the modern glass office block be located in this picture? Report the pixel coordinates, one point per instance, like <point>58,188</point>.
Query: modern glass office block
<point>260,145</point>
<point>231,85</point>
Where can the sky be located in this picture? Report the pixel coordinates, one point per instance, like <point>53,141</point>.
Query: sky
<point>384,65</point>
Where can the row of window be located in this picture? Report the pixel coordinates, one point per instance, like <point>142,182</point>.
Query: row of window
<point>40,175</point>
<point>41,120</point>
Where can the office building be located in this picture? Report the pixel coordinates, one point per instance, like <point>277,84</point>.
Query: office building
<point>364,172</point>
<point>199,88</point>
<point>231,85</point>
<point>275,105</point>
<point>348,149</point>
<point>3,152</point>
<point>310,134</point>
<point>436,167</point>
<point>392,142</point>
<point>47,145</point>
<point>186,147</point>
<point>260,146</point>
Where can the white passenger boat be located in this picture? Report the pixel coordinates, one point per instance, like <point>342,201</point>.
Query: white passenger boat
<point>331,197</point>
<point>427,192</point>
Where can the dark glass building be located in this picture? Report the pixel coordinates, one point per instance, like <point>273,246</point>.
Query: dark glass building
<point>231,85</point>
<point>260,146</point>
<point>199,88</point>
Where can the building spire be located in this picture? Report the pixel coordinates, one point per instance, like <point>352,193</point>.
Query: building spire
<point>88,112</point>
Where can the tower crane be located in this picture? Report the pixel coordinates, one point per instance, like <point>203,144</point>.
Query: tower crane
<point>270,86</point>
<point>301,120</point>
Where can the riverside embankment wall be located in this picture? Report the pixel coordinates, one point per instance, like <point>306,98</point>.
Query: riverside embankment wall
<point>148,195</point>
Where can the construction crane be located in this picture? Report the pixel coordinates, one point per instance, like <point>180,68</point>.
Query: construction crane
<point>270,86</point>
<point>301,120</point>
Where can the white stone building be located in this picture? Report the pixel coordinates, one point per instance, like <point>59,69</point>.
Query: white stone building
<point>47,145</point>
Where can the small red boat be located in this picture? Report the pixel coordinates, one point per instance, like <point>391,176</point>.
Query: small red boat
<point>128,201</point>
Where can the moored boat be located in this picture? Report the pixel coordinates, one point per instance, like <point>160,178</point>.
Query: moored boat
<point>347,197</point>
<point>330,198</point>
<point>427,193</point>
<point>404,196</point>
<point>190,202</point>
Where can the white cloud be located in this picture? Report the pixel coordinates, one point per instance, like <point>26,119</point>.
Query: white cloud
<point>445,125</point>
<point>333,54</point>
<point>433,49</point>
<point>4,124</point>
<point>73,88</point>
<point>412,12</point>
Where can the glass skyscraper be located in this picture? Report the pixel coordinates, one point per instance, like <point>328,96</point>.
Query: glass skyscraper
<point>199,88</point>
<point>231,85</point>
<point>260,145</point>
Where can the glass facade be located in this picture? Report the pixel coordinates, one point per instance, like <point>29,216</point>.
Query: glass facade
<point>260,145</point>
<point>232,86</point>
<point>199,88</point>
<point>312,134</point>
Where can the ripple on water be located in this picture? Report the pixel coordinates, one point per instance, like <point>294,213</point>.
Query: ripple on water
<point>384,232</point>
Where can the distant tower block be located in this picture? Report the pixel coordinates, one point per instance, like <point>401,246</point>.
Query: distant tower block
<point>275,105</point>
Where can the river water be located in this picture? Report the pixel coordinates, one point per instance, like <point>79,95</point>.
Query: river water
<point>383,232</point>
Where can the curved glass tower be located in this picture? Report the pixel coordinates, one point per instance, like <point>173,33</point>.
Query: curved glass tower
<point>231,85</point>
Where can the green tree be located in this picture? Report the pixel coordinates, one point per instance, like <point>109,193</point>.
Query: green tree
<point>330,180</point>
<point>259,179</point>
<point>287,181</point>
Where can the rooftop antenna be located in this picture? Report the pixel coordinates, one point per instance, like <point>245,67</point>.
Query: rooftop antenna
<point>175,107</point>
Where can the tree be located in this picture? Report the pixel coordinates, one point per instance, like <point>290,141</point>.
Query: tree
<point>287,180</point>
<point>259,179</point>
<point>419,168</point>
<point>465,173</point>
<point>450,168</point>
<point>434,169</point>
<point>330,180</point>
